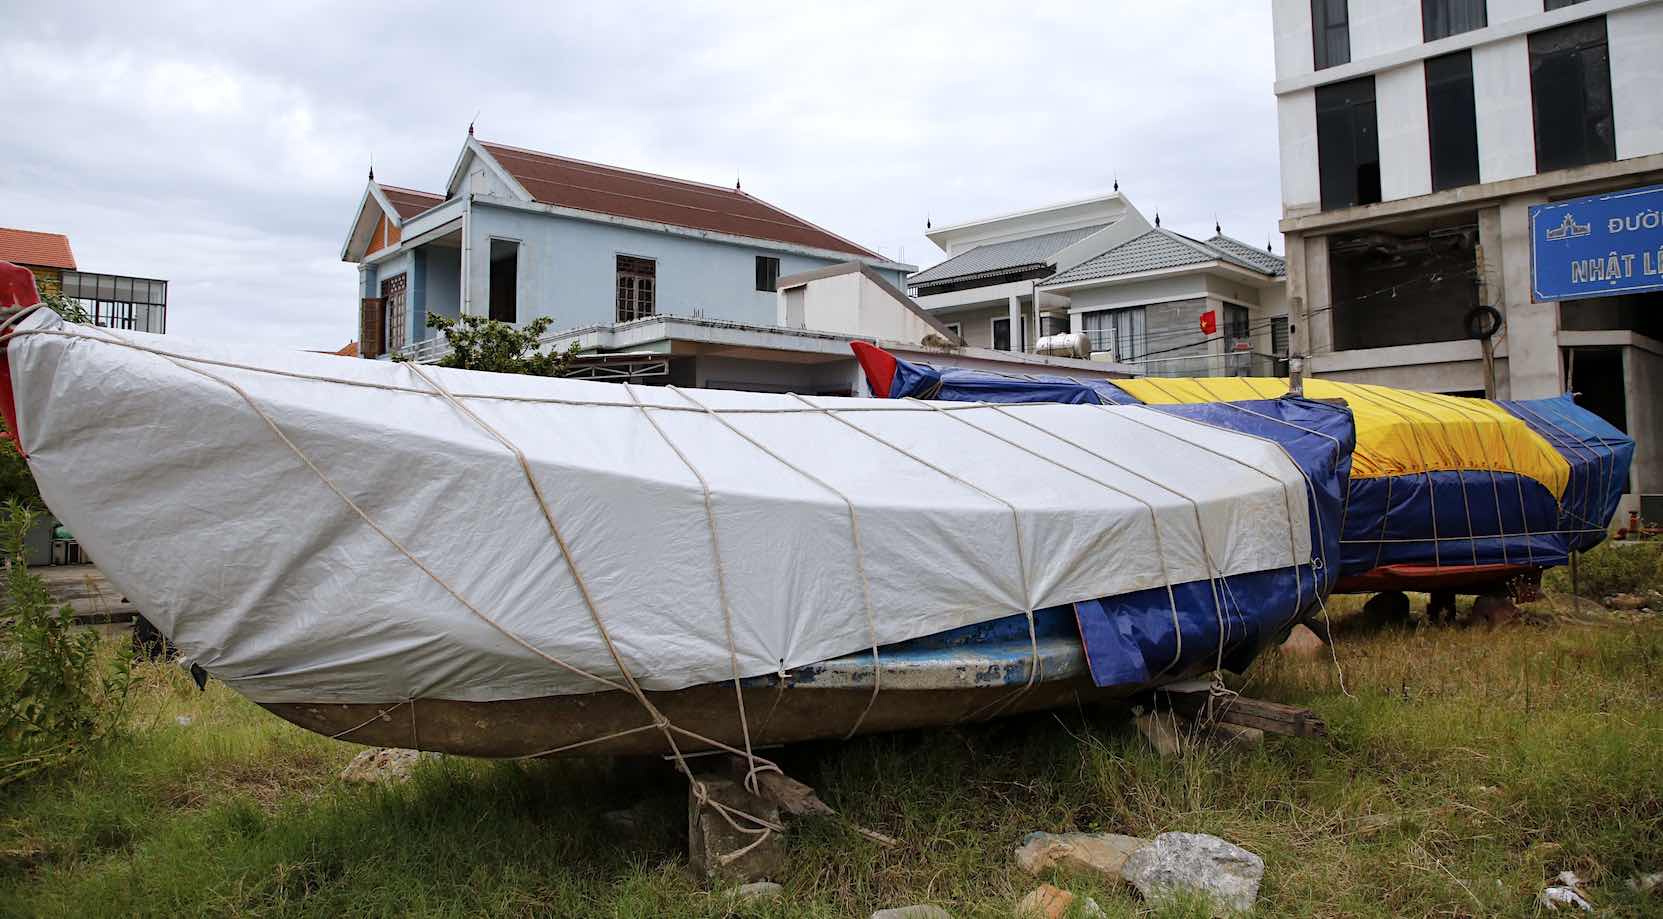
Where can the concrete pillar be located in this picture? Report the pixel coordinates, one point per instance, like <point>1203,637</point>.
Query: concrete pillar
<point>1319,295</point>
<point>1016,322</point>
<point>1532,329</point>
<point>1492,287</point>
<point>1299,331</point>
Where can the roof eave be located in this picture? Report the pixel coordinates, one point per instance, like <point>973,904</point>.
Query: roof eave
<point>1195,267</point>
<point>694,232</point>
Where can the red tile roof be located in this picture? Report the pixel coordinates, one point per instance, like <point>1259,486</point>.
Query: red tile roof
<point>350,349</point>
<point>41,250</point>
<point>409,202</point>
<point>585,186</point>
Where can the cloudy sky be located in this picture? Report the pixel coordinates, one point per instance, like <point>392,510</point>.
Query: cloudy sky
<point>224,146</point>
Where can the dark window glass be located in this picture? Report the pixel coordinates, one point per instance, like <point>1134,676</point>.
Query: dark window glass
<point>1443,18</point>
<point>767,273</point>
<point>1451,120</point>
<point>1551,5</point>
<point>1330,33</point>
<point>505,280</point>
<point>1348,145</point>
<point>1001,334</point>
<point>1122,333</point>
<point>1570,91</point>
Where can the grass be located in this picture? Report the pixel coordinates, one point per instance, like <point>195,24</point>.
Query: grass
<point>1464,771</point>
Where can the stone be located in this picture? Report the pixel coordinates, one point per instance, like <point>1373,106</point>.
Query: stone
<point>758,890</point>
<point>1224,872</point>
<point>916,911</point>
<point>1302,642</point>
<point>1044,902</point>
<point>1625,602</point>
<point>387,764</point>
<point>1090,853</point>
<point>1161,730</point>
<point>711,839</point>
<point>1494,610</point>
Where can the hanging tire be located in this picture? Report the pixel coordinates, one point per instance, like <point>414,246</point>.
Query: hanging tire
<point>1482,322</point>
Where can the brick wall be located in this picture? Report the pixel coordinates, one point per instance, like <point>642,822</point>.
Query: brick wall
<point>49,280</point>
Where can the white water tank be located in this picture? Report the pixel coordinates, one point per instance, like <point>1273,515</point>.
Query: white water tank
<point>1065,344</point>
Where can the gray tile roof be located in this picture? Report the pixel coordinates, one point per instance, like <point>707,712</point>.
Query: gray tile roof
<point>997,258</point>
<point>1266,261</point>
<point>1159,249</point>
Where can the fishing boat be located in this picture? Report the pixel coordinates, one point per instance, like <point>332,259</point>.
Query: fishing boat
<point>1446,493</point>
<point>508,566</point>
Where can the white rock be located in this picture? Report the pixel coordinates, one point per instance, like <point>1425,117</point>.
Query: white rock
<point>917,911</point>
<point>1302,642</point>
<point>1177,862</point>
<point>760,890</point>
<point>388,764</point>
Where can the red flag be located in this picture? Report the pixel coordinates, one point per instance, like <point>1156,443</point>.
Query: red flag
<point>1209,322</point>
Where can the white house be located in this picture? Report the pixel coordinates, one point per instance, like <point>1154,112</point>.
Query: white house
<point>1098,266</point>
<point>517,234</point>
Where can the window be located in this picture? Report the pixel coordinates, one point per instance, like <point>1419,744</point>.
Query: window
<point>1118,332</point>
<point>1443,18</point>
<point>1551,5</point>
<point>1570,91</point>
<point>1451,120</point>
<point>1279,343</point>
<point>1348,145</point>
<point>767,273</point>
<point>505,278</point>
<point>637,287</point>
<point>1330,33</point>
<point>1235,325</point>
<point>957,329</point>
<point>398,319</point>
<point>1002,334</point>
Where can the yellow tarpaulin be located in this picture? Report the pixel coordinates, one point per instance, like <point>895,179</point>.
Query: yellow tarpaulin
<point>1399,432</point>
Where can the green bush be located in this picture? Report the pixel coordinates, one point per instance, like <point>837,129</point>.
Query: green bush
<point>60,690</point>
<point>478,343</point>
<point>1612,569</point>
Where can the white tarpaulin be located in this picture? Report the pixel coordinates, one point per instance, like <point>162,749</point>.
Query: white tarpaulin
<point>358,556</point>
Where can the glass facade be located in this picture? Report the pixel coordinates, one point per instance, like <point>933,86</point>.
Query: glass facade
<point>118,302</point>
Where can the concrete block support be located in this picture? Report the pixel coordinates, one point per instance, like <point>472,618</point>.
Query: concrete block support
<point>711,838</point>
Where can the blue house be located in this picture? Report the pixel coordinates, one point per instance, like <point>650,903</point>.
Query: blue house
<point>518,234</point>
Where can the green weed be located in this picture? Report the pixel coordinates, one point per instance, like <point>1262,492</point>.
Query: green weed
<point>1463,771</point>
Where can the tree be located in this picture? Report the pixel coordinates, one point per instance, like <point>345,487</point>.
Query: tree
<point>478,343</point>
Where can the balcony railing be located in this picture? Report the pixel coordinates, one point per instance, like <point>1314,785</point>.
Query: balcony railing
<point>426,351</point>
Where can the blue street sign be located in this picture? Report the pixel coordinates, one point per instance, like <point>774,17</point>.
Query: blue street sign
<point>1597,246</point>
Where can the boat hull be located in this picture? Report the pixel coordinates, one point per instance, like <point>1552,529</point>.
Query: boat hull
<point>530,727</point>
